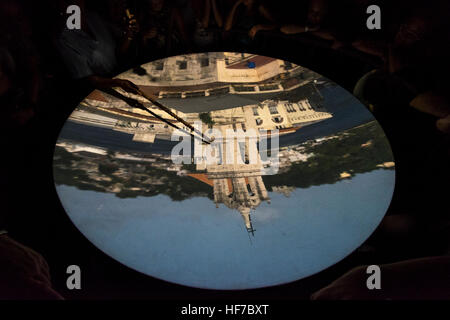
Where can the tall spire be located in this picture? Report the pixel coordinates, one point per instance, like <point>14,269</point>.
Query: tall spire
<point>245,213</point>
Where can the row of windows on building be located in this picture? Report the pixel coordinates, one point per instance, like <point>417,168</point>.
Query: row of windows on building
<point>182,64</point>
<point>217,91</point>
<point>280,119</point>
<point>274,119</point>
<point>260,122</point>
<point>312,116</point>
<point>273,109</point>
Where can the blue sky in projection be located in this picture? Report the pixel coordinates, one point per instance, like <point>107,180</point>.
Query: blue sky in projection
<point>196,244</point>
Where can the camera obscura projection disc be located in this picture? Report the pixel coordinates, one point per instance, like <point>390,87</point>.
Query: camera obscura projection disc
<point>306,186</point>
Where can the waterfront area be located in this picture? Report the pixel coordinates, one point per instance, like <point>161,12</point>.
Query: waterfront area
<point>293,162</point>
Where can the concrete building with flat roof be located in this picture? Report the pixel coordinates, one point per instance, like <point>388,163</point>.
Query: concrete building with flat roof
<point>238,90</point>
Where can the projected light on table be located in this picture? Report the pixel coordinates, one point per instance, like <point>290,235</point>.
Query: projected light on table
<point>208,223</point>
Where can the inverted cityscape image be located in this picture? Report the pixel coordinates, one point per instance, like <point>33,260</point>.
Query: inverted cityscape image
<point>210,223</point>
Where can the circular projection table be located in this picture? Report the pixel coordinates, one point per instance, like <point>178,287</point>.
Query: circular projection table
<point>316,191</point>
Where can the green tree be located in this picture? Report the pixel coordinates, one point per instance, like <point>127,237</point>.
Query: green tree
<point>206,118</point>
